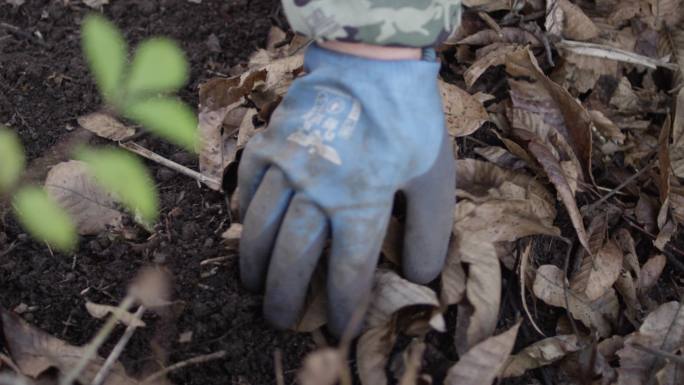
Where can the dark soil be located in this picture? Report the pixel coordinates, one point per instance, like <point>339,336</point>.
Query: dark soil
<point>44,87</point>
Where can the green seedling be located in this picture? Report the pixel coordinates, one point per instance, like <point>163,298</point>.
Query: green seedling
<point>140,91</point>
<point>39,215</point>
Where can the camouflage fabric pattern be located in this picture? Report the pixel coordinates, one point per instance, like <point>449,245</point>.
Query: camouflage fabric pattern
<point>410,23</point>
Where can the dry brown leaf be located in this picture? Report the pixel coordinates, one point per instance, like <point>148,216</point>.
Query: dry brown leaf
<point>453,277</point>
<point>322,367</point>
<point>101,311</point>
<point>556,111</point>
<point>413,357</point>
<point>559,179</point>
<point>508,35</point>
<point>492,58</point>
<point>549,287</point>
<point>92,208</point>
<point>464,114</point>
<point>568,20</point>
<point>151,287</point>
<point>482,363</point>
<point>627,289</point>
<point>546,116</point>
<point>650,272</point>
<point>599,272</point>
<point>372,353</point>
<point>218,98</point>
<point>666,13</point>
<point>541,353</point>
<point>392,293</point>
<point>106,126</point>
<point>663,330</point>
<point>500,157</point>
<point>606,127</point>
<point>483,290</point>
<point>34,352</point>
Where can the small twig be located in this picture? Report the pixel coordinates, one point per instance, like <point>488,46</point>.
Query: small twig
<point>566,289</point>
<point>523,269</point>
<point>675,358</point>
<point>16,30</point>
<point>179,365</point>
<point>118,349</point>
<point>98,340</point>
<point>622,185</point>
<point>278,363</point>
<point>612,53</point>
<point>11,247</point>
<point>142,151</point>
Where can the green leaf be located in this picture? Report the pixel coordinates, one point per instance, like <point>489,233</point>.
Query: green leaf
<point>169,118</point>
<point>125,175</point>
<point>44,219</point>
<point>106,51</point>
<point>12,159</point>
<point>159,65</point>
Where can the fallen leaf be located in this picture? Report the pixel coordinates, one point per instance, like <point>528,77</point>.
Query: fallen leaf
<point>568,20</point>
<point>650,272</point>
<point>493,58</point>
<point>464,114</point>
<point>482,363</point>
<point>500,157</point>
<point>322,367</point>
<point>599,272</point>
<point>413,357</point>
<point>483,290</point>
<point>101,311</point>
<point>453,277</point>
<point>541,353</point>
<point>549,286</point>
<point>392,293</point>
<point>106,126</point>
<point>663,329</point>
<point>92,209</point>
<point>372,353</point>
<point>34,352</point>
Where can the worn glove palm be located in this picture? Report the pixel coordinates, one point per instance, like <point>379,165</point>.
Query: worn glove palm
<point>345,139</point>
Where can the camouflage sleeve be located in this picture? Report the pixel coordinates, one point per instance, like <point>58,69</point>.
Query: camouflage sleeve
<point>410,23</point>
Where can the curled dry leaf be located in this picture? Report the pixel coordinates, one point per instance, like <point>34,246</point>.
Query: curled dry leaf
<point>34,352</point>
<point>101,311</point>
<point>106,126</point>
<point>549,286</point>
<point>599,272</point>
<point>650,272</point>
<point>556,128</point>
<point>500,157</point>
<point>483,290</point>
<point>492,58</point>
<point>392,293</point>
<point>663,329</point>
<point>568,20</point>
<point>92,209</point>
<point>322,367</point>
<point>453,277</point>
<point>372,353</point>
<point>508,35</point>
<point>542,353</point>
<point>481,364</point>
<point>464,114</point>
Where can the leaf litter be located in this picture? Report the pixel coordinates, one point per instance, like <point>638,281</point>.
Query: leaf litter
<point>569,120</point>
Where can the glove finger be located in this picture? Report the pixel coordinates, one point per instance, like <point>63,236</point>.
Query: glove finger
<point>297,250</point>
<point>260,227</point>
<point>251,172</point>
<point>356,241</point>
<point>430,201</point>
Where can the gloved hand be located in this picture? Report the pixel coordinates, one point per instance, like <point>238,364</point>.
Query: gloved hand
<point>344,140</point>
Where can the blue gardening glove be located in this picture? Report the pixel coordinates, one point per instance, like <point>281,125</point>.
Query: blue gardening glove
<point>344,140</point>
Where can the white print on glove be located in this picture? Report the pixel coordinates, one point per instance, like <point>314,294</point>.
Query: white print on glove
<point>334,114</point>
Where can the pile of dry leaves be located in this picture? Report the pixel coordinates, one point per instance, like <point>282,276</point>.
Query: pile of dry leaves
<point>569,117</point>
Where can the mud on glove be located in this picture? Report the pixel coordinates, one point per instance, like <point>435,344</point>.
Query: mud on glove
<point>344,140</point>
